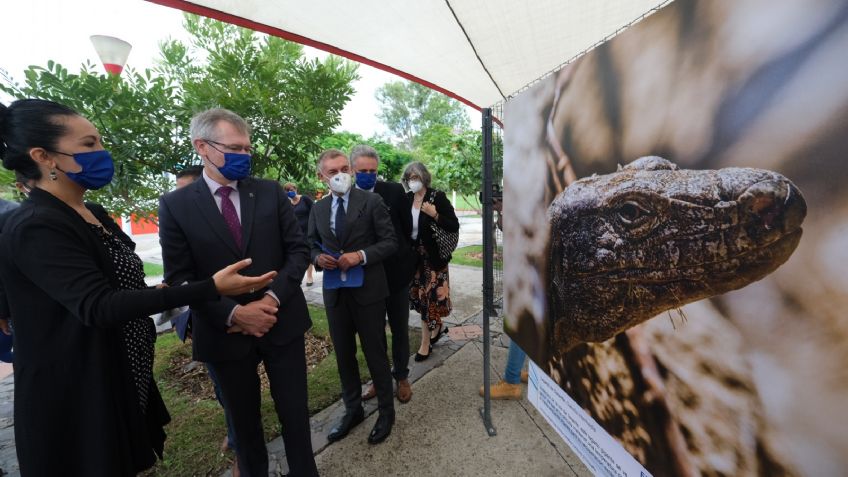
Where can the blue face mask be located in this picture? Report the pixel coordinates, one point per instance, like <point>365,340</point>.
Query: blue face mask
<point>292,194</point>
<point>236,166</point>
<point>366,180</point>
<point>97,169</point>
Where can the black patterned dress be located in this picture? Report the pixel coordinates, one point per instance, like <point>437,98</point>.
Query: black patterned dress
<point>139,333</point>
<point>429,292</point>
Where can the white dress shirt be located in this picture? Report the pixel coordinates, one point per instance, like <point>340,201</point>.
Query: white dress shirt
<point>416,213</point>
<point>334,207</point>
<point>234,198</point>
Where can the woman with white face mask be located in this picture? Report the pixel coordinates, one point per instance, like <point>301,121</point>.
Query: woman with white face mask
<point>429,293</point>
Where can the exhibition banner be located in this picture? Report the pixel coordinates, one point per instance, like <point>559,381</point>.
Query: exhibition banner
<point>675,238</point>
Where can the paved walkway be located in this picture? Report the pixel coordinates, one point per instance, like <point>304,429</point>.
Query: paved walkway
<point>440,431</point>
<point>8,458</point>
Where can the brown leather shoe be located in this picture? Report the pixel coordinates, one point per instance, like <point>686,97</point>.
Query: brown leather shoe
<point>369,393</point>
<point>404,391</point>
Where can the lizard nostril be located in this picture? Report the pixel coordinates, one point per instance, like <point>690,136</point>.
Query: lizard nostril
<point>761,205</point>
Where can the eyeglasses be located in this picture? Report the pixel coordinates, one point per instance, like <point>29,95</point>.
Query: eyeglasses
<point>412,177</point>
<point>234,148</point>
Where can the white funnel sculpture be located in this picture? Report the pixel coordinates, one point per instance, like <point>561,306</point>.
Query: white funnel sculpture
<point>113,52</point>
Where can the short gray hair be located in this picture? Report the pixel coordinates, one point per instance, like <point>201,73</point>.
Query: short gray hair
<point>203,124</point>
<point>419,169</point>
<point>329,154</point>
<point>363,151</point>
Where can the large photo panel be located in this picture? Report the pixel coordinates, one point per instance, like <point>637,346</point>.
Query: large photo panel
<point>676,236</point>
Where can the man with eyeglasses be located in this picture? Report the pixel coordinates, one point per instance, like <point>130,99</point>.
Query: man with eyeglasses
<point>227,214</point>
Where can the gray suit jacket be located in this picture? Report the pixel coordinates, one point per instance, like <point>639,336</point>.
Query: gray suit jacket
<point>368,227</point>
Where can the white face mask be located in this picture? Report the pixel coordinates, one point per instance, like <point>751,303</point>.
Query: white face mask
<point>340,183</point>
<point>415,186</point>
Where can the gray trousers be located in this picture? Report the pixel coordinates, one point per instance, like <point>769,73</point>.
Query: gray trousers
<point>348,319</point>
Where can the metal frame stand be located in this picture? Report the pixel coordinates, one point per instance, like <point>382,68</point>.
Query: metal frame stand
<point>488,268</point>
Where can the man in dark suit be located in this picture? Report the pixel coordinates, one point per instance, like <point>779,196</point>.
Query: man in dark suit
<point>349,228</point>
<point>223,216</point>
<point>182,325</point>
<point>365,162</point>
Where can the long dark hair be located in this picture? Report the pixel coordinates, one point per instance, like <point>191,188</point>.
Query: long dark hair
<point>29,123</point>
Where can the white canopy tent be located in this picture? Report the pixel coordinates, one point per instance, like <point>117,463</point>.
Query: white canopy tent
<point>480,52</point>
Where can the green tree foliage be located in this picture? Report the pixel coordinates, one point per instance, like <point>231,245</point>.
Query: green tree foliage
<point>343,141</point>
<point>291,103</point>
<point>408,109</point>
<point>435,128</point>
<point>136,114</point>
<point>453,158</point>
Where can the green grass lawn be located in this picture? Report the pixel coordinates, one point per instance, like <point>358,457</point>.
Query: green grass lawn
<point>465,256</point>
<point>197,425</point>
<point>465,202</point>
<point>153,269</point>
<point>471,255</point>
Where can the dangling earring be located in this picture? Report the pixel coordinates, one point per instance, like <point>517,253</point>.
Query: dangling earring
<point>53,175</point>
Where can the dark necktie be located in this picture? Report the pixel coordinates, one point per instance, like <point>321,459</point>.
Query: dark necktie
<point>228,210</point>
<point>340,219</point>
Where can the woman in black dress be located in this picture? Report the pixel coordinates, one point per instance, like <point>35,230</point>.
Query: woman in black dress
<point>429,293</point>
<point>302,206</point>
<point>85,399</point>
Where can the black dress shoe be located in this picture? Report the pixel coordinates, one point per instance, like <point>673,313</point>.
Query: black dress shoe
<point>382,428</point>
<point>421,357</point>
<point>443,330</point>
<point>348,422</point>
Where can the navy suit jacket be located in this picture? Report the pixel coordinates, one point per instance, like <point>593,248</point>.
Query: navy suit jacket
<point>196,243</point>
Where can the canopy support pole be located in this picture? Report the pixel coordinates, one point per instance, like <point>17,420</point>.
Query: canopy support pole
<point>488,269</point>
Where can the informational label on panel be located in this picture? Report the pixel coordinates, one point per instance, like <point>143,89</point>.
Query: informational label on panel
<point>597,449</point>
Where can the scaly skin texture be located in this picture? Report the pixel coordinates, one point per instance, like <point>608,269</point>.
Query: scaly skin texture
<point>650,237</point>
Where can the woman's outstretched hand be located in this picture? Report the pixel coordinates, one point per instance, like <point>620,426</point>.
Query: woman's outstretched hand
<point>229,282</point>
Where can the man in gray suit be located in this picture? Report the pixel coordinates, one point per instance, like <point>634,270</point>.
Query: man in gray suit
<point>348,228</point>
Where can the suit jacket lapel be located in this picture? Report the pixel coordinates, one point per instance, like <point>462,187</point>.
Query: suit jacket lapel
<point>247,197</point>
<point>209,210</point>
<point>356,202</point>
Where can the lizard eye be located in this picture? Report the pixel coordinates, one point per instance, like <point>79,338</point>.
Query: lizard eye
<point>630,212</point>
<point>635,215</point>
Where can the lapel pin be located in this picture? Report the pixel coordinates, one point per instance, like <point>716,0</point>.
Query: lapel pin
<point>251,194</point>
